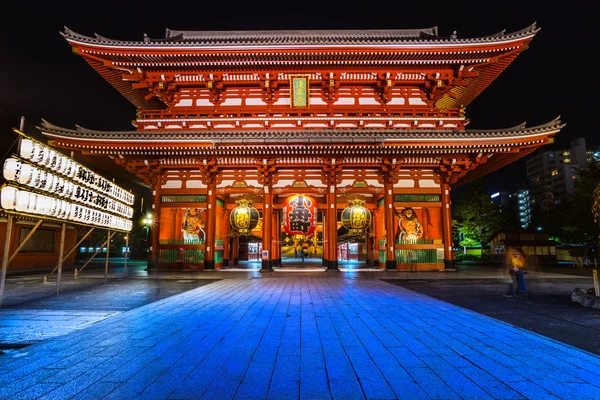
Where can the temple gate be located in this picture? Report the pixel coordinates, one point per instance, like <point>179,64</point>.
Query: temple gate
<point>376,117</point>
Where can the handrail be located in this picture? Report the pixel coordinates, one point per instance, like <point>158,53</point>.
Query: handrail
<point>287,112</point>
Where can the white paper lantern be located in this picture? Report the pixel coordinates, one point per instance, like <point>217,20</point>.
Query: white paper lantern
<point>49,183</point>
<point>22,200</point>
<point>53,210</point>
<point>8,198</point>
<point>65,209</point>
<point>26,174</point>
<point>47,161</point>
<point>38,152</point>
<point>12,168</point>
<point>44,155</point>
<point>26,150</point>
<point>31,205</point>
<point>44,205</point>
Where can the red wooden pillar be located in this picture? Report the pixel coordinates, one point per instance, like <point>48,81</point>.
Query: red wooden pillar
<point>376,230</point>
<point>155,227</point>
<point>331,220</point>
<point>236,249</point>
<point>225,230</point>
<point>369,243</point>
<point>447,227</point>
<point>267,229</point>
<point>276,246</point>
<point>211,223</point>
<point>390,250</point>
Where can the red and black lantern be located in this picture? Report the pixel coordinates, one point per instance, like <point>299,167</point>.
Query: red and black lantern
<point>356,218</point>
<point>244,217</point>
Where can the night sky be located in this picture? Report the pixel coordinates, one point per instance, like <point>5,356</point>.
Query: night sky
<point>41,78</point>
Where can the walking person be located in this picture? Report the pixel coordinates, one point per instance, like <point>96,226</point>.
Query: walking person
<point>515,263</point>
<point>520,272</point>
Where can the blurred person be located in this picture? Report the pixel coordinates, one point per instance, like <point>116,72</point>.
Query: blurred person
<point>515,261</point>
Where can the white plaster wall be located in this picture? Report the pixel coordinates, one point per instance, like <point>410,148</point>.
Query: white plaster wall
<point>172,184</point>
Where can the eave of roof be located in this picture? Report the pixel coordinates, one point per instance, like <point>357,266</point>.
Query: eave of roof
<point>300,38</point>
<point>388,136</point>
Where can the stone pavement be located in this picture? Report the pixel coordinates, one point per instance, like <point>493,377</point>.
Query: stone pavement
<point>22,327</point>
<point>546,308</point>
<point>314,337</point>
<point>32,312</point>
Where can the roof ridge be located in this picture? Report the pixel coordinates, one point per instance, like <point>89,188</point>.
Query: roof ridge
<point>300,36</point>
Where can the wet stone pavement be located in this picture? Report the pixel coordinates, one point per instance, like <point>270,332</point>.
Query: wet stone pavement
<point>546,308</point>
<point>32,312</point>
<point>300,337</point>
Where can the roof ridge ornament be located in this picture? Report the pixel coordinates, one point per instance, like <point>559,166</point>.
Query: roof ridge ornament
<point>551,124</point>
<point>49,125</point>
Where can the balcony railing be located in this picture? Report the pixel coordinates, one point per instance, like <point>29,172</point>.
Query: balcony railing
<point>285,117</point>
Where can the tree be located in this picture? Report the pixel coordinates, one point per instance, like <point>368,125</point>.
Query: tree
<point>581,222</point>
<point>477,217</point>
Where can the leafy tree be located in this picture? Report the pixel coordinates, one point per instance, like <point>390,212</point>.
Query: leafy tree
<point>468,242</point>
<point>581,225</point>
<point>477,217</point>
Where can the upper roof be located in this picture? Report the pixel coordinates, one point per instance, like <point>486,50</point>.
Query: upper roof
<point>177,38</point>
<point>478,60</point>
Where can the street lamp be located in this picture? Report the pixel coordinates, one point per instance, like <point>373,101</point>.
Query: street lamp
<point>147,222</point>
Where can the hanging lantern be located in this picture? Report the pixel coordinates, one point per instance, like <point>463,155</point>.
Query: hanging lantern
<point>299,215</point>
<point>244,217</point>
<point>356,218</point>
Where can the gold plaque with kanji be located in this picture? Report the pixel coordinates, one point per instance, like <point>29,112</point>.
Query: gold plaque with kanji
<point>299,91</point>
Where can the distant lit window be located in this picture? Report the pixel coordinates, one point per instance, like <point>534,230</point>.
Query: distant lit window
<point>567,160</point>
<point>550,155</point>
<point>555,172</point>
<point>565,154</point>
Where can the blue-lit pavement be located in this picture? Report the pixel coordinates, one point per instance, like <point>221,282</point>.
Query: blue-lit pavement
<point>300,337</point>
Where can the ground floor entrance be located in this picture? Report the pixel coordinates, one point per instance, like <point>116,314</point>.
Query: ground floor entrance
<point>355,218</point>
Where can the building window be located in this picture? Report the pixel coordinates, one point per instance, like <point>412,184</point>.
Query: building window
<point>555,172</point>
<point>41,241</point>
<point>565,154</point>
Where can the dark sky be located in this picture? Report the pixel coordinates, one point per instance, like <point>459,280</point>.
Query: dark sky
<point>41,78</point>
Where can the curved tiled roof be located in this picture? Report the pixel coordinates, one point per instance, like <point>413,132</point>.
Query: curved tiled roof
<point>296,136</point>
<point>177,38</point>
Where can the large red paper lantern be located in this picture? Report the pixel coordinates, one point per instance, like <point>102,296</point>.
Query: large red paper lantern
<point>299,215</point>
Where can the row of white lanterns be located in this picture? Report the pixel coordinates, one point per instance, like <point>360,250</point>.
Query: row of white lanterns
<point>23,201</point>
<point>25,174</point>
<point>46,157</point>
